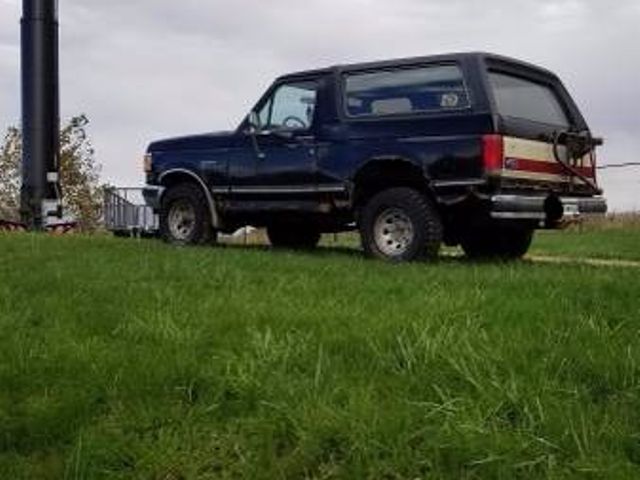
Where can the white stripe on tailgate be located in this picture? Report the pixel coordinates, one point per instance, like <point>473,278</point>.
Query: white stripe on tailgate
<point>533,150</point>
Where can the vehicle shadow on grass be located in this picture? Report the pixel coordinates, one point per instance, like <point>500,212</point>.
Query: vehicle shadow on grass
<point>451,256</point>
<point>347,252</point>
<point>447,257</point>
<point>352,252</point>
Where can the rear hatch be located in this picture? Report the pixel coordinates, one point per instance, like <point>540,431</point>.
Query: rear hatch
<point>542,141</point>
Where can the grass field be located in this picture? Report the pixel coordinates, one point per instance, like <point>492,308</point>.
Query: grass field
<point>131,359</point>
<point>614,238</point>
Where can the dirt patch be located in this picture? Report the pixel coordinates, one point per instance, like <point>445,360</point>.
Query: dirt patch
<point>594,262</point>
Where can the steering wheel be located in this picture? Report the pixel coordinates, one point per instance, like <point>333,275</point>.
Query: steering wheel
<point>294,119</point>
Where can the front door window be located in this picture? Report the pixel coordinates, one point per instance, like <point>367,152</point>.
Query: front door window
<point>291,107</point>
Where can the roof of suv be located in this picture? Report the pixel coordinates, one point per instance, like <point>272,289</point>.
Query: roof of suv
<point>449,57</point>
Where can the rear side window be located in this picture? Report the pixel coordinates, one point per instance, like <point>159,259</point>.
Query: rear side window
<point>525,99</point>
<point>405,91</point>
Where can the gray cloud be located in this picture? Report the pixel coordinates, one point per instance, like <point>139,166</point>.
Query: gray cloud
<point>151,68</point>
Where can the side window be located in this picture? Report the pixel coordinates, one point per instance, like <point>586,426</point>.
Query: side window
<point>291,107</point>
<point>521,98</point>
<point>405,91</point>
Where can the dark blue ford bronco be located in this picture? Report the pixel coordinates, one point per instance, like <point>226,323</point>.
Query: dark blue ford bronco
<point>471,149</point>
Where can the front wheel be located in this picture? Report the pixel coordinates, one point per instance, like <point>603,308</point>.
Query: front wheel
<point>400,225</point>
<point>185,217</point>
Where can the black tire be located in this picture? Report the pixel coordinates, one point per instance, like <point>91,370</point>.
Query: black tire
<point>293,236</point>
<point>416,228</point>
<point>197,231</point>
<point>505,242</point>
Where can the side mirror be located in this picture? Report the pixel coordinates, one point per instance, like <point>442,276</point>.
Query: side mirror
<point>253,130</point>
<point>254,122</point>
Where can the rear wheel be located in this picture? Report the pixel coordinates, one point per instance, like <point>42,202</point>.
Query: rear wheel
<point>507,242</point>
<point>400,225</point>
<point>184,216</point>
<point>293,236</point>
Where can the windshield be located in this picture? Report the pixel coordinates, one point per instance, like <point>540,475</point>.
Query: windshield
<point>525,99</point>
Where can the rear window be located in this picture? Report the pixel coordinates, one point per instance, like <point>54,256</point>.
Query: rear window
<point>520,98</point>
<point>405,91</point>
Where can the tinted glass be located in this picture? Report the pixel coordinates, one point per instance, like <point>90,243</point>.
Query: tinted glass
<point>521,98</point>
<point>405,91</point>
<point>291,107</point>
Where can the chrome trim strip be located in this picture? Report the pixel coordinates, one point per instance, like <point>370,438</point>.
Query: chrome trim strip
<point>212,205</point>
<point>518,215</point>
<point>288,189</point>
<point>332,188</point>
<point>432,138</point>
<point>458,183</point>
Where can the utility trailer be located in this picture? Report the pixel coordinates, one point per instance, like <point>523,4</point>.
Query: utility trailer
<point>127,215</point>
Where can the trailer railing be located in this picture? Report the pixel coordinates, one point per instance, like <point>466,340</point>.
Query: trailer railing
<point>127,214</point>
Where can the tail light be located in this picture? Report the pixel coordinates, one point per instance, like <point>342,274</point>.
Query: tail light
<point>492,152</point>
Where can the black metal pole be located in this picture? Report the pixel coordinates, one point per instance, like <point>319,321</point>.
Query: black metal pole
<point>40,112</point>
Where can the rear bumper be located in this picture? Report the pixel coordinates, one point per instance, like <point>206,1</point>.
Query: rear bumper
<point>550,209</point>
<point>152,196</point>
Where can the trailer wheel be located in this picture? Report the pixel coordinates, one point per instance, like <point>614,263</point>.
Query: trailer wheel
<point>400,225</point>
<point>184,216</point>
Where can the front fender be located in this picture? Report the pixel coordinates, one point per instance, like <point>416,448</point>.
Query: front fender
<point>180,175</point>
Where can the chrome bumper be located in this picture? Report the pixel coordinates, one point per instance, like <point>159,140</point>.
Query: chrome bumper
<point>152,196</point>
<point>551,209</point>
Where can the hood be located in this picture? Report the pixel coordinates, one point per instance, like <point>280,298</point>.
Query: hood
<point>206,141</point>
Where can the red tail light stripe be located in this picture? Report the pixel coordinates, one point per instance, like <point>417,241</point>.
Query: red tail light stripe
<point>521,164</point>
<point>537,177</point>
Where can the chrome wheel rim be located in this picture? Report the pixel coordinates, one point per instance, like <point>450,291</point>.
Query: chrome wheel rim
<point>393,232</point>
<point>181,220</point>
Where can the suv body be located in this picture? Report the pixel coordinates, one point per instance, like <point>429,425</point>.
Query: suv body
<point>473,149</point>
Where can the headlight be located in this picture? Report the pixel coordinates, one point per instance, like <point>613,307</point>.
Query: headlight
<point>148,163</point>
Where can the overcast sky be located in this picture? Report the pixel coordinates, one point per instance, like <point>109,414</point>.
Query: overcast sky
<point>144,69</point>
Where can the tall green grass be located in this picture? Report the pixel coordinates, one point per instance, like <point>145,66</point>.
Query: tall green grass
<point>127,359</point>
<point>613,237</point>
